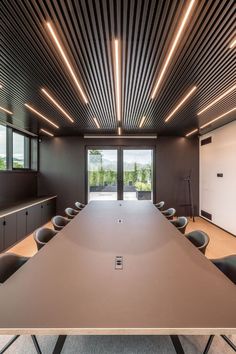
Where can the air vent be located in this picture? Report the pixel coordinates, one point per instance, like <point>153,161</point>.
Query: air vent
<point>206,141</point>
<point>119,262</point>
<point>206,215</point>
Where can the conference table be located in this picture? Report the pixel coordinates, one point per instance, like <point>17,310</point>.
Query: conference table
<point>119,267</point>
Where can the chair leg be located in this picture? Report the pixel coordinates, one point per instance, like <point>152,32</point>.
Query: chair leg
<point>229,342</point>
<point>8,344</point>
<point>206,350</point>
<point>36,345</point>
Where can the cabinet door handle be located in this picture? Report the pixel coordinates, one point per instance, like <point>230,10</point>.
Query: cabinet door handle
<point>26,213</point>
<point>4,222</point>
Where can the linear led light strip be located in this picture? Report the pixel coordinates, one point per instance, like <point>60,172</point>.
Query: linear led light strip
<point>192,132</point>
<point>67,62</point>
<point>5,110</point>
<point>40,115</point>
<point>233,43</point>
<point>212,121</point>
<point>117,79</point>
<point>46,132</point>
<point>119,130</point>
<point>57,105</point>
<point>215,119</point>
<point>181,103</point>
<point>217,100</point>
<point>142,121</point>
<point>176,40</point>
<point>96,122</point>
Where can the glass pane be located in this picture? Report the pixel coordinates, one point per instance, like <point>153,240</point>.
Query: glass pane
<point>20,151</point>
<point>102,175</point>
<point>138,172</point>
<point>3,148</point>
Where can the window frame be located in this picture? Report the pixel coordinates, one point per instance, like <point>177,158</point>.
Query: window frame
<point>27,154</point>
<point>32,165</point>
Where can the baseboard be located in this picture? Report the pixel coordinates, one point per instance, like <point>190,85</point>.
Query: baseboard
<point>202,217</point>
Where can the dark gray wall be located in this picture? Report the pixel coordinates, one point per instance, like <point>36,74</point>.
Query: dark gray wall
<point>63,166</point>
<point>16,186</point>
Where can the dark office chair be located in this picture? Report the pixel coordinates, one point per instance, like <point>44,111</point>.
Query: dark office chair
<point>9,264</point>
<point>79,205</point>
<point>228,266</point>
<point>180,223</point>
<point>43,235</point>
<point>199,239</point>
<point>59,222</point>
<point>159,205</point>
<point>169,213</point>
<point>71,213</point>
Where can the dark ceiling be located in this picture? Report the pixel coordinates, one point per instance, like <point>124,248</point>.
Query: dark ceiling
<point>29,61</point>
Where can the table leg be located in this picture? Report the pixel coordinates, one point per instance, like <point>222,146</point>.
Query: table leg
<point>59,345</point>
<point>177,344</point>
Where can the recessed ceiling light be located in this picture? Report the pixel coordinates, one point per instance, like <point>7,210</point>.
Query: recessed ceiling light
<point>215,119</point>
<point>57,105</point>
<point>96,122</point>
<point>181,103</point>
<point>142,121</point>
<point>176,40</point>
<point>46,132</point>
<point>117,78</point>
<point>119,130</point>
<point>40,115</point>
<point>192,132</point>
<point>233,43</point>
<point>5,110</point>
<point>72,73</point>
<point>217,99</point>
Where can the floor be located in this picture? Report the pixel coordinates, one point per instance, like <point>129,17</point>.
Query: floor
<point>221,244</point>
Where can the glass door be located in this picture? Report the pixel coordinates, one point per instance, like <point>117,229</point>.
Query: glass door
<point>102,174</point>
<point>138,174</point>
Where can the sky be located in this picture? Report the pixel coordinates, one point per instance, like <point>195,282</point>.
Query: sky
<point>130,156</point>
<point>2,140</point>
<point>18,146</point>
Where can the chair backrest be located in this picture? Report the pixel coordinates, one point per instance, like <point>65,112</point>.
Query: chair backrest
<point>79,205</point>
<point>71,213</point>
<point>199,238</point>
<point>228,266</point>
<point>43,235</point>
<point>59,222</point>
<point>9,264</point>
<point>160,205</point>
<point>181,223</point>
<point>169,213</point>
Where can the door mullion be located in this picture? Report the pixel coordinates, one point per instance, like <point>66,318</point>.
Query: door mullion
<point>120,174</point>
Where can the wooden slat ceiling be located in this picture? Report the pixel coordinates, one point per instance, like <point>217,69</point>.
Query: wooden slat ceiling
<point>29,60</point>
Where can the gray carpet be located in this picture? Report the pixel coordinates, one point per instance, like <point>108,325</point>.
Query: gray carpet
<point>117,345</point>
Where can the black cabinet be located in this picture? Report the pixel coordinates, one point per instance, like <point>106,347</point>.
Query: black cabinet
<point>48,210</point>
<point>9,230</point>
<point>1,235</point>
<point>33,218</point>
<point>15,226</point>
<point>21,224</point>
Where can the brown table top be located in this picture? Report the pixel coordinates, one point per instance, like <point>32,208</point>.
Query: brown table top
<point>71,286</point>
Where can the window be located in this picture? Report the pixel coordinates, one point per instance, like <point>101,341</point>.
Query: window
<point>3,147</point>
<point>21,148</point>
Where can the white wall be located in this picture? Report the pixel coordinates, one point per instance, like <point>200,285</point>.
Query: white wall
<point>218,195</point>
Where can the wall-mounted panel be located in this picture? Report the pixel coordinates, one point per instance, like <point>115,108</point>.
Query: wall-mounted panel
<point>218,176</point>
